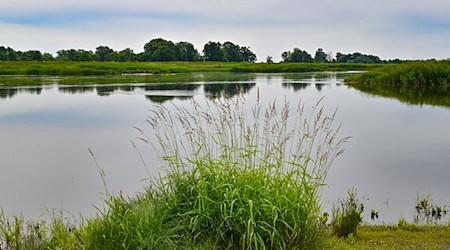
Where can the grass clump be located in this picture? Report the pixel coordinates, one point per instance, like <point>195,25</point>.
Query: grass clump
<point>242,182</point>
<point>347,215</point>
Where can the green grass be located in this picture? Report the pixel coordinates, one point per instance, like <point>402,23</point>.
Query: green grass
<point>394,237</point>
<point>412,74</point>
<point>118,68</point>
<point>416,83</point>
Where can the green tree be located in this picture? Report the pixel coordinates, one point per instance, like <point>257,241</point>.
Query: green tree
<point>297,55</point>
<point>320,56</point>
<point>102,53</point>
<point>84,56</point>
<point>187,52</point>
<point>67,55</point>
<point>232,52</point>
<point>212,51</point>
<point>31,55</point>
<point>160,50</point>
<point>47,57</point>
<point>286,56</point>
<point>11,54</point>
<point>248,55</point>
<point>3,54</point>
<point>128,55</point>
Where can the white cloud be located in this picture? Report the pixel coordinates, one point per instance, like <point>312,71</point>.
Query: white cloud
<point>382,27</point>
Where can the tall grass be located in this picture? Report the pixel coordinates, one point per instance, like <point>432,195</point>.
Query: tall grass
<point>412,74</point>
<point>245,181</point>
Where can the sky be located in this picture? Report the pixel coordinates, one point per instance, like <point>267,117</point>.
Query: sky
<point>405,29</point>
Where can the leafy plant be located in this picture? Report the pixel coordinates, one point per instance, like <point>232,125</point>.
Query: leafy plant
<point>347,215</point>
<point>427,212</point>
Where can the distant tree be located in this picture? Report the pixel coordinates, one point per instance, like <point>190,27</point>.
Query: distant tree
<point>248,55</point>
<point>84,56</point>
<point>320,56</point>
<point>212,51</point>
<point>286,56</point>
<point>3,54</point>
<point>269,59</point>
<point>127,55</point>
<point>357,58</point>
<point>47,57</point>
<point>187,52</point>
<point>297,55</point>
<point>232,52</point>
<point>160,50</point>
<point>102,53</point>
<point>31,55</point>
<point>67,55</point>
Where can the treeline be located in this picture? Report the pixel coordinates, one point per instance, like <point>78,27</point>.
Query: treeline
<point>298,55</point>
<point>156,50</point>
<point>161,50</point>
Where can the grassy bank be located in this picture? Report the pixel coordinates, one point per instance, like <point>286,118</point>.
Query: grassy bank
<point>118,68</point>
<point>431,74</point>
<point>416,83</point>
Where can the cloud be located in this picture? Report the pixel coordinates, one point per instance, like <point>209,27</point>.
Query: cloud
<point>390,29</point>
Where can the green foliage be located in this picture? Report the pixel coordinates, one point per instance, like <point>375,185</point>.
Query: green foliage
<point>297,55</point>
<point>212,51</point>
<point>187,52</point>
<point>413,83</point>
<point>160,50</point>
<point>320,56</point>
<point>428,212</point>
<point>236,182</point>
<point>357,58</point>
<point>412,74</point>
<point>347,215</point>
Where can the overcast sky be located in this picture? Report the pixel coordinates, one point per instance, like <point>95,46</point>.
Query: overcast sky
<point>406,29</point>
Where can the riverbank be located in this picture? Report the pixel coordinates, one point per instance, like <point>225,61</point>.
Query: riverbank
<point>414,83</point>
<point>148,68</point>
<point>411,74</point>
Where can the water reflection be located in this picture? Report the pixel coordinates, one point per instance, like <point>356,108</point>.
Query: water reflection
<point>11,92</point>
<point>159,92</point>
<point>412,95</point>
<point>227,90</point>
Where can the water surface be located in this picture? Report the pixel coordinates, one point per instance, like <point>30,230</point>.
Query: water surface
<point>398,150</point>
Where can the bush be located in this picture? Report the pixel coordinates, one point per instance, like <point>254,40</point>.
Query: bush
<point>348,215</point>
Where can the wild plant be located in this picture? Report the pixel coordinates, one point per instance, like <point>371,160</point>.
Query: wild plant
<point>427,212</point>
<point>347,215</point>
<point>244,177</point>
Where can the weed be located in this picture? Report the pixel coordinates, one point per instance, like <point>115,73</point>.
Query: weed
<point>347,215</point>
<point>373,214</point>
<point>427,212</point>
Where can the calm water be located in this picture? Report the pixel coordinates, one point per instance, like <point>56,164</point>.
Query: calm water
<point>397,150</point>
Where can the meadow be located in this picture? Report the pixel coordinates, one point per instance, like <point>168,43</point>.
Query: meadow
<point>56,68</point>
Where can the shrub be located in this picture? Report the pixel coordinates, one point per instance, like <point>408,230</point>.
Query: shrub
<point>348,215</point>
